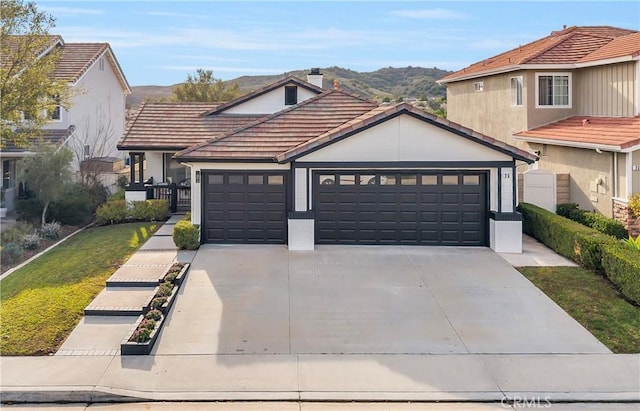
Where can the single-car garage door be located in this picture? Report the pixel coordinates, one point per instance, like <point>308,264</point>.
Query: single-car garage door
<point>245,207</point>
<point>418,207</point>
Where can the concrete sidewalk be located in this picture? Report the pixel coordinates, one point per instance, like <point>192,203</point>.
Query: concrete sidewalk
<point>558,378</point>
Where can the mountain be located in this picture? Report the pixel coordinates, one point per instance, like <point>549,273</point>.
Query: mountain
<point>406,82</point>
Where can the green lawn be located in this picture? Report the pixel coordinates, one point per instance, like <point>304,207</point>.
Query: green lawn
<point>593,302</point>
<point>43,301</point>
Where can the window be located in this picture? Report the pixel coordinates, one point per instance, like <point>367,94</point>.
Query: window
<point>553,90</point>
<point>86,152</point>
<point>275,180</point>
<point>175,172</point>
<point>450,180</point>
<point>56,114</point>
<point>478,86</point>
<point>290,95</point>
<point>216,179</point>
<point>255,180</point>
<point>8,174</point>
<point>516,91</point>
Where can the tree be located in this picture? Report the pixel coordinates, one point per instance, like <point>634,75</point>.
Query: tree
<point>28,58</point>
<point>47,173</point>
<point>202,86</point>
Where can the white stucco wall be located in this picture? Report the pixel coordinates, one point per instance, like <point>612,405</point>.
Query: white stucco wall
<point>97,112</point>
<point>270,102</point>
<point>405,138</point>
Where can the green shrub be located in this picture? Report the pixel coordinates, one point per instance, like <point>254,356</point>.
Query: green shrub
<point>622,266</point>
<point>158,210</point>
<point>139,210</point>
<point>157,302</point>
<point>30,241</point>
<point>50,230</point>
<point>112,212</point>
<point>565,208</point>
<point>147,323</point>
<point>29,210</point>
<point>606,225</point>
<point>154,315</point>
<point>186,236</point>
<point>141,335</point>
<point>586,246</point>
<point>591,219</point>
<point>165,289</point>
<point>11,252</point>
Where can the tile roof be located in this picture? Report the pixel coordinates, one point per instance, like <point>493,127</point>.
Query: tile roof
<point>271,86</point>
<point>314,123</point>
<point>607,132</point>
<point>382,113</point>
<point>568,46</point>
<point>176,126</point>
<point>282,131</point>
<point>13,42</point>
<point>52,136</point>
<point>75,58</point>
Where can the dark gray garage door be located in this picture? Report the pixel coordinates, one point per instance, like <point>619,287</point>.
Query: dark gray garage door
<point>400,208</point>
<point>245,207</point>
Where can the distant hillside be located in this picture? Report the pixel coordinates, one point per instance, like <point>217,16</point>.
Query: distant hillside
<point>407,82</point>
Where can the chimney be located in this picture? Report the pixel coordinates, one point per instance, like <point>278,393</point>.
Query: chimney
<point>315,77</point>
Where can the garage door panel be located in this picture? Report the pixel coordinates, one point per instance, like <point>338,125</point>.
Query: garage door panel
<point>246,208</point>
<point>402,208</point>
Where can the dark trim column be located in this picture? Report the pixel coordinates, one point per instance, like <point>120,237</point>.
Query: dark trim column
<point>136,161</point>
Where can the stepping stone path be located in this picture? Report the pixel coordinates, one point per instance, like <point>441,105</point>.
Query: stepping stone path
<point>128,291</point>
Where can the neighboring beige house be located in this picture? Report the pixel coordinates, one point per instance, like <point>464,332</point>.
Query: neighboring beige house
<point>295,164</point>
<point>572,98</point>
<point>95,121</point>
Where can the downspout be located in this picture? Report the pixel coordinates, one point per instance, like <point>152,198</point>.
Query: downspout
<point>615,174</point>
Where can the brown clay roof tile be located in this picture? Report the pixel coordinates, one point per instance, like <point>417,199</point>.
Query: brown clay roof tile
<point>571,45</point>
<point>176,126</point>
<point>617,132</point>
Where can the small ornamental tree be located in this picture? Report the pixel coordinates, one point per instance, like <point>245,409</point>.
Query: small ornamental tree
<point>47,173</point>
<point>29,94</point>
<point>202,86</point>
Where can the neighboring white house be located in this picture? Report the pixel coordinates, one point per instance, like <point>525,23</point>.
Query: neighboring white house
<point>334,168</point>
<point>93,124</point>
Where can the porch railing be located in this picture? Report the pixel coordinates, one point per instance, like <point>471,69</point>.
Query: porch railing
<point>179,197</point>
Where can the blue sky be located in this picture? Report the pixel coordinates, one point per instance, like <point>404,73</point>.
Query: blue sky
<point>159,42</point>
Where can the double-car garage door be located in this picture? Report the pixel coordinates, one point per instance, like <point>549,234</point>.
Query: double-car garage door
<point>392,207</point>
<point>400,208</point>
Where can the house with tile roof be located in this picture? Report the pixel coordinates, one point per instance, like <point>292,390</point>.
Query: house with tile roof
<point>93,123</point>
<point>573,97</point>
<point>329,167</point>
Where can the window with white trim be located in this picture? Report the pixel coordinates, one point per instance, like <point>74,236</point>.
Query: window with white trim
<point>553,90</point>
<point>516,91</point>
<point>478,86</point>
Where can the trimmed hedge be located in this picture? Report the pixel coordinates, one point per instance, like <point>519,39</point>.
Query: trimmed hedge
<point>591,219</point>
<point>622,266</point>
<point>186,236</point>
<point>586,246</point>
<point>119,211</point>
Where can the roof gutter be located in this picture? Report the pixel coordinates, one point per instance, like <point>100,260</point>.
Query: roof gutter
<point>567,143</point>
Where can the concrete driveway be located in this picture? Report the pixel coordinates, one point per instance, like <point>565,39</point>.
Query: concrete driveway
<point>364,300</point>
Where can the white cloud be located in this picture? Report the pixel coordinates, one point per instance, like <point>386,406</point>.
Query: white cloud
<point>56,11</point>
<point>435,14</point>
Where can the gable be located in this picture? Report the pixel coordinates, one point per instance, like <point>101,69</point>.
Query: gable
<point>405,138</point>
<point>271,101</point>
